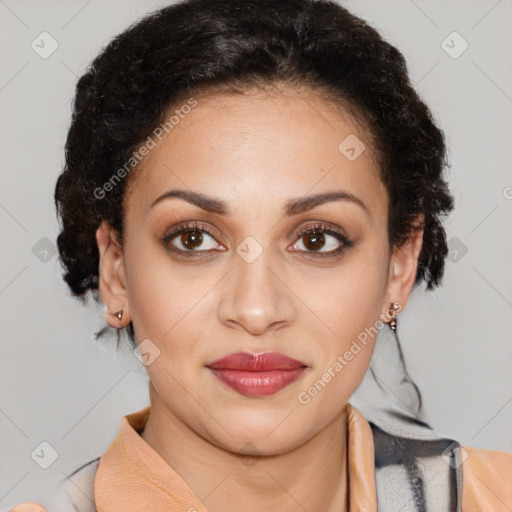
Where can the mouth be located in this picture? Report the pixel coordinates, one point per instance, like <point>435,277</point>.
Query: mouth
<point>254,375</point>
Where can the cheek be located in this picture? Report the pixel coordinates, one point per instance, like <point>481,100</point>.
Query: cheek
<point>170,307</point>
<point>349,306</point>
<point>153,286</point>
<point>350,300</point>
<point>342,358</point>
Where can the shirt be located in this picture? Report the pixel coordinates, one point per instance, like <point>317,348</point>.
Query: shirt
<point>131,475</point>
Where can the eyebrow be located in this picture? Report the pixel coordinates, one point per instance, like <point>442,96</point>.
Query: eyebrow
<point>292,207</point>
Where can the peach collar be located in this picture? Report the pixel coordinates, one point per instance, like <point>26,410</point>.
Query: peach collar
<point>131,475</point>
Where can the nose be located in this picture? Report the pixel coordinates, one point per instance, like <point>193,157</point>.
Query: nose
<point>255,298</point>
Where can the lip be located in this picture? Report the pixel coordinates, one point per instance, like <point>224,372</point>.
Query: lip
<point>256,375</point>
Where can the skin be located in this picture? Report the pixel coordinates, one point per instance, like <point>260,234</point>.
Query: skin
<point>255,152</point>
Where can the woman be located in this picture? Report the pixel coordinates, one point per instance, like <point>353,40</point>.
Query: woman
<point>253,189</point>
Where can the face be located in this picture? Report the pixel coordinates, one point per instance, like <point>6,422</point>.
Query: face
<point>248,231</point>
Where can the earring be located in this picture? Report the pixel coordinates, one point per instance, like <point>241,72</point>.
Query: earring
<point>119,314</point>
<point>393,310</point>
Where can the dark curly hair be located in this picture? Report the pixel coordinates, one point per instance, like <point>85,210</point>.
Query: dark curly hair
<point>196,46</point>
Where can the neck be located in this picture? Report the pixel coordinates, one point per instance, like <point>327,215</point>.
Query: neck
<point>313,476</point>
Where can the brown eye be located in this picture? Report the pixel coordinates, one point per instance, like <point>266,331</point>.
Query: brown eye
<point>314,241</point>
<point>191,239</point>
<point>322,241</point>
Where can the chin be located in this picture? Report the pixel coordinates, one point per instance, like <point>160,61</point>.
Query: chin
<point>266,432</point>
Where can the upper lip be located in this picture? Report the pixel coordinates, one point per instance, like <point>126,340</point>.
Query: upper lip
<point>266,361</point>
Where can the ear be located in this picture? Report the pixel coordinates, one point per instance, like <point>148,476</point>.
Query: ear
<point>112,277</point>
<point>403,267</point>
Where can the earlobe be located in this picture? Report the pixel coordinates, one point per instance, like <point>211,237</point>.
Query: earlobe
<point>112,283</point>
<point>404,266</point>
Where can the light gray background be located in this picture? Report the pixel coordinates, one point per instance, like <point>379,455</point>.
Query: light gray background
<point>58,385</point>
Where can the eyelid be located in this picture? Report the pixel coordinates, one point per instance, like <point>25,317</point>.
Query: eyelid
<point>185,226</point>
<point>329,229</point>
<point>322,226</point>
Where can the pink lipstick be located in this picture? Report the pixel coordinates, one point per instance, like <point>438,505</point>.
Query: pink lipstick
<point>256,375</point>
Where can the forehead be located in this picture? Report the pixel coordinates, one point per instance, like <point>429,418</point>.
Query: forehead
<point>259,146</point>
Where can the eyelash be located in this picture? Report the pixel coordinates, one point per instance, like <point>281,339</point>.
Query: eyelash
<point>322,228</point>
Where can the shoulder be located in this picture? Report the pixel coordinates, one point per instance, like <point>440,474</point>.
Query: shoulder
<point>74,494</point>
<point>486,479</point>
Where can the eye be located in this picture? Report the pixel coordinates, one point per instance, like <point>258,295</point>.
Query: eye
<point>321,241</point>
<point>191,237</point>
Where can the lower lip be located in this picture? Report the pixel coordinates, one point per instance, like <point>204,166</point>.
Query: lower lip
<point>255,384</point>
